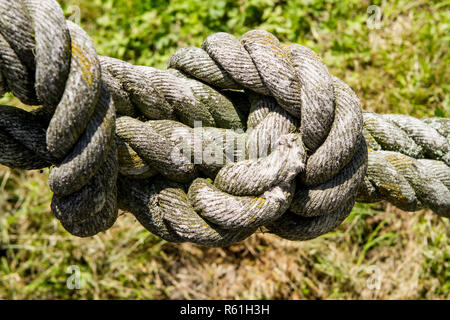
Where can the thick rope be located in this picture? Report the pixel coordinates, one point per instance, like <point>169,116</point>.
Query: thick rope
<point>235,136</point>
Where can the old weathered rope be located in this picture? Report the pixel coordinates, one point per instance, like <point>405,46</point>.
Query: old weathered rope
<point>235,136</point>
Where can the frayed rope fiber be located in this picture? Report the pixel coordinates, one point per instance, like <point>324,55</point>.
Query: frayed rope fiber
<point>235,136</point>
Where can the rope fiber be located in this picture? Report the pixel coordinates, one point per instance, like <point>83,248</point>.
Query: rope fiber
<point>235,136</point>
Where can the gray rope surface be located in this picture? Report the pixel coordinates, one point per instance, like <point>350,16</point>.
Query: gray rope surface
<point>235,136</point>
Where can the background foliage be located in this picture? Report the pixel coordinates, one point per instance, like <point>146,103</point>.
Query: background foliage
<point>401,67</point>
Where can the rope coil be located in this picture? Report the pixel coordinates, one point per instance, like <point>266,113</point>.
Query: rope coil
<point>283,144</point>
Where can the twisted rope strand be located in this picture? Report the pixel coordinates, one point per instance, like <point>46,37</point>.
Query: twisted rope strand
<point>234,136</point>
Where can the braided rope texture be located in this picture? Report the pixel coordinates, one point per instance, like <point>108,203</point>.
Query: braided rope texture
<point>235,136</point>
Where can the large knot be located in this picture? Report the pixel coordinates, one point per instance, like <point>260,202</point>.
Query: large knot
<point>235,136</point>
<point>296,168</point>
<point>46,60</point>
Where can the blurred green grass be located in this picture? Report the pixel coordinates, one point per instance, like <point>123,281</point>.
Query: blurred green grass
<point>402,67</point>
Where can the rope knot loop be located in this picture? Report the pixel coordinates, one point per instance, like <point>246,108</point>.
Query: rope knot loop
<point>48,61</point>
